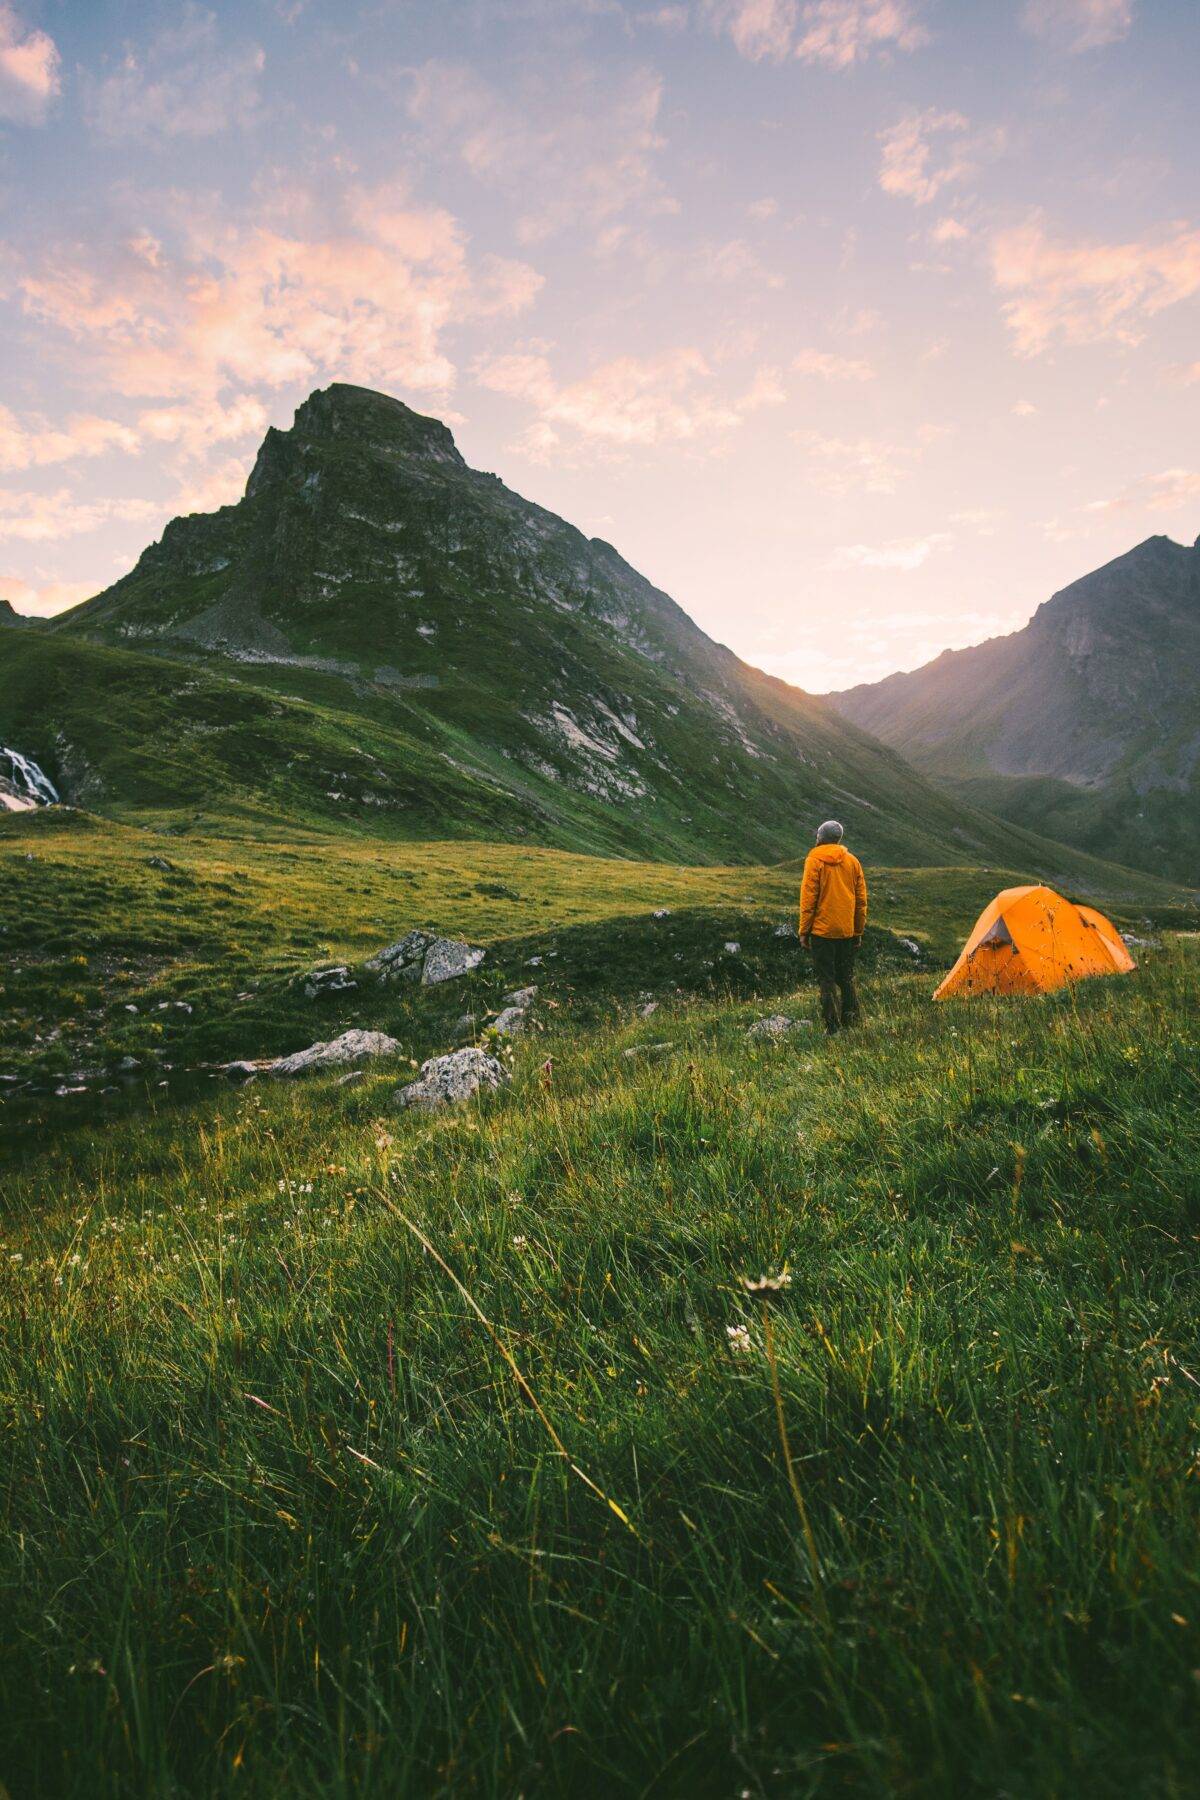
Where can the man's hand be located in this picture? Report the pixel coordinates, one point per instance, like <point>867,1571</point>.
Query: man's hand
<point>806,941</point>
<point>858,941</point>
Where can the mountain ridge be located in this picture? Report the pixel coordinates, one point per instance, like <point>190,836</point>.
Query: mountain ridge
<point>1083,723</point>
<point>373,611</point>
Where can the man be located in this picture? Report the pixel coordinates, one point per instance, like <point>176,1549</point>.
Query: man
<point>833,916</point>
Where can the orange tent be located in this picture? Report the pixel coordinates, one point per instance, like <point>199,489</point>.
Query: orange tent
<point>1030,941</point>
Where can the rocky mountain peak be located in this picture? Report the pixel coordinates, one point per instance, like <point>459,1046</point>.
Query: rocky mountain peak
<point>10,616</point>
<point>360,418</point>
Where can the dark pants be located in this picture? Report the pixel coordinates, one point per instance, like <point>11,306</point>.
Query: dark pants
<point>833,960</point>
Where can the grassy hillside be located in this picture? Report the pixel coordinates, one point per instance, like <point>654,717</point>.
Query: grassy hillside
<point>350,1453</point>
<point>108,931</point>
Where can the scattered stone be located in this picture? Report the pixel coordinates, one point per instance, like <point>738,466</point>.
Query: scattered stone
<point>663,912</point>
<point>127,1065</point>
<point>510,1022</point>
<point>334,978</point>
<point>521,996</point>
<point>637,1050</point>
<point>787,929</point>
<point>648,1010</point>
<point>61,1093</point>
<point>422,956</point>
<point>535,962</point>
<point>160,862</point>
<point>1140,943</point>
<point>130,1007</point>
<point>403,961</point>
<point>911,945</point>
<point>241,1071</point>
<point>447,959</point>
<point>348,1079</point>
<point>350,1047</point>
<point>732,949</point>
<point>446,1080</point>
<point>776,1027</point>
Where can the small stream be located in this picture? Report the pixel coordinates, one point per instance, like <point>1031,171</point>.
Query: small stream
<point>23,786</point>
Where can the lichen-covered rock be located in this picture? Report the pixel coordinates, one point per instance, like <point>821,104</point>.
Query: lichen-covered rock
<point>447,958</point>
<point>335,979</point>
<point>446,1080</point>
<point>521,996</point>
<point>350,1047</point>
<point>405,960</point>
<point>775,1027</point>
<point>510,1022</point>
<point>425,957</point>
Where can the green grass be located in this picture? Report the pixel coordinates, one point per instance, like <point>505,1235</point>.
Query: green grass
<point>281,1515</point>
<point>90,928</point>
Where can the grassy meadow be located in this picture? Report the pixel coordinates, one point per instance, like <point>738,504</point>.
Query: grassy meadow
<point>353,1453</point>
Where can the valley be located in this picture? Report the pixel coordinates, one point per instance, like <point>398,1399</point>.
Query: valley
<point>703,1405</point>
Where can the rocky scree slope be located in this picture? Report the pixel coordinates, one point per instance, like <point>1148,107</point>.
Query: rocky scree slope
<point>1085,725</point>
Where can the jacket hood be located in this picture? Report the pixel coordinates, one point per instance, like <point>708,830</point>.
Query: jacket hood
<point>829,852</point>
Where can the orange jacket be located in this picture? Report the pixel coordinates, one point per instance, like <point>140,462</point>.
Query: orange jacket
<point>833,894</point>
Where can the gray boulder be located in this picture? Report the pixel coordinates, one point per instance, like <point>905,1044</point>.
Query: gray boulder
<point>911,945</point>
<point>447,958</point>
<point>333,979</point>
<point>521,996</point>
<point>350,1047</point>
<point>423,956</point>
<point>776,1027</point>
<point>446,1080</point>
<point>510,1022</point>
<point>403,961</point>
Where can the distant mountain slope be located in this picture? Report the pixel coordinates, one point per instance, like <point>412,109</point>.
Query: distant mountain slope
<point>379,637</point>
<point>1084,725</point>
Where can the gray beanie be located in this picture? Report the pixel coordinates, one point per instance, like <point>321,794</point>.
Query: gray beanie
<point>829,833</point>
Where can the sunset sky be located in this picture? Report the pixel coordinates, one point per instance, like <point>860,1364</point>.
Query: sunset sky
<point>858,325</point>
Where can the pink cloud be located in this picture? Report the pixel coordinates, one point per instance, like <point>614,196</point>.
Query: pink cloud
<point>42,518</point>
<point>43,599</point>
<point>626,403</point>
<point>1077,25</point>
<point>759,28</point>
<point>366,296</point>
<point>196,428</point>
<point>841,466</point>
<point>579,149</point>
<point>29,69</point>
<point>1082,292</point>
<point>844,32</point>
<point>907,168</point>
<point>900,555</point>
<point>829,367</point>
<point>216,487</point>
<point>838,33</point>
<point>29,446</point>
<point>1167,491</point>
<point>184,84</point>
